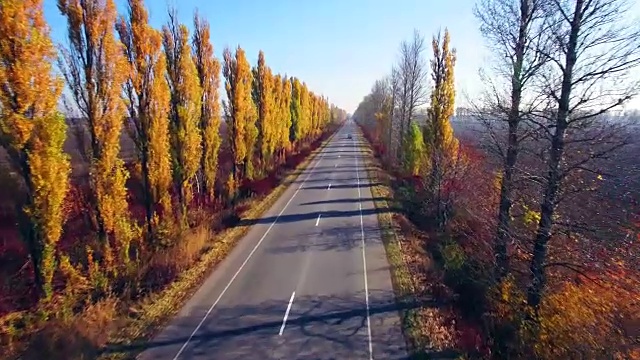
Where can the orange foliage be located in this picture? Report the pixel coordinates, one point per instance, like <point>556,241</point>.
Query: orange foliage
<point>32,131</point>
<point>95,71</point>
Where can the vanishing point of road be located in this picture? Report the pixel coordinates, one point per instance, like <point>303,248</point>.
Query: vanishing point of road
<point>310,279</point>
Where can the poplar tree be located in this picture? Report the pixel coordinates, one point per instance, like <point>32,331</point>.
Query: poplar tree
<point>282,119</point>
<point>442,146</point>
<point>277,114</point>
<point>263,97</point>
<point>95,70</point>
<point>305,117</point>
<point>185,109</point>
<point>415,152</point>
<point>148,106</point>
<point>33,132</point>
<point>240,112</point>
<point>285,118</point>
<point>296,111</point>
<point>438,131</point>
<point>210,117</point>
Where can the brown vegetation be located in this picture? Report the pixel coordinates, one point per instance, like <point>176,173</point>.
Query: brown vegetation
<point>546,266</point>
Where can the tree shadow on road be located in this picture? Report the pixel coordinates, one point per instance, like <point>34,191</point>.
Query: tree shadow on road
<point>290,218</point>
<point>318,327</point>
<point>346,201</point>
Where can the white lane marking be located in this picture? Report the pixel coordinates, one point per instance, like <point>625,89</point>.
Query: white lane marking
<point>318,220</point>
<point>329,187</point>
<point>248,257</point>
<point>364,260</point>
<point>286,314</point>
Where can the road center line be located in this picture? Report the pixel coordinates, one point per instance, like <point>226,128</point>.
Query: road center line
<point>286,314</point>
<point>364,258</point>
<point>318,219</point>
<point>250,254</point>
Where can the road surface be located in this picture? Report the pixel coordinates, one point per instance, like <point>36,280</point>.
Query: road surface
<point>310,280</point>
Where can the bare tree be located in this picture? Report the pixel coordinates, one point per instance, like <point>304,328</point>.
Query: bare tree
<point>393,141</point>
<point>513,30</point>
<point>412,81</point>
<point>594,52</point>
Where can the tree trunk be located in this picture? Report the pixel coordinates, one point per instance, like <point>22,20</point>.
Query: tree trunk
<point>547,208</point>
<point>147,193</point>
<point>506,186</point>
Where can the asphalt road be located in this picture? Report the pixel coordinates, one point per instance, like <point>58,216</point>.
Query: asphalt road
<point>310,280</point>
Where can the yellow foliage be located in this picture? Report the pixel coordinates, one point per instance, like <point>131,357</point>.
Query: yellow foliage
<point>241,111</point>
<point>282,115</point>
<point>530,217</point>
<point>186,97</point>
<point>231,186</point>
<point>508,305</point>
<point>439,133</point>
<point>585,321</point>
<point>148,103</point>
<point>95,71</point>
<point>415,150</point>
<point>497,181</point>
<point>296,110</point>
<point>305,105</point>
<point>49,169</point>
<point>264,96</point>
<point>209,75</point>
<point>31,130</point>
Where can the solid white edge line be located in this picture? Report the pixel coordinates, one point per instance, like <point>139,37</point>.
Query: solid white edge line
<point>364,259</point>
<point>286,314</point>
<point>318,219</point>
<point>249,256</point>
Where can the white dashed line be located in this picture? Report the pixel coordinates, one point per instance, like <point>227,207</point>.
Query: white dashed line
<point>286,314</point>
<point>364,260</point>
<point>206,315</point>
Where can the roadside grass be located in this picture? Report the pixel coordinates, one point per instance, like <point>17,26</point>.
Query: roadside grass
<point>113,322</point>
<point>427,326</point>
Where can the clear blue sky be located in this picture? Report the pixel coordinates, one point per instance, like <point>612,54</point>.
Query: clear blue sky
<point>338,47</point>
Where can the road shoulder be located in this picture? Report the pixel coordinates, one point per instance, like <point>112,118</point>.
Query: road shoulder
<point>426,330</point>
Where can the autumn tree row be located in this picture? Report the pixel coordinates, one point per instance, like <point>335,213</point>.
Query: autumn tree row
<point>420,140</point>
<point>560,67</point>
<point>159,86</point>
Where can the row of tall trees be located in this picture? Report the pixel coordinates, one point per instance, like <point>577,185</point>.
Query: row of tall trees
<point>161,86</point>
<point>418,137</point>
<point>267,115</point>
<point>560,67</point>
<point>550,100</point>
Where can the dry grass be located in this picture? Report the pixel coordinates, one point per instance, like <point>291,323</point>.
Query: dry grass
<point>428,330</point>
<point>77,337</point>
